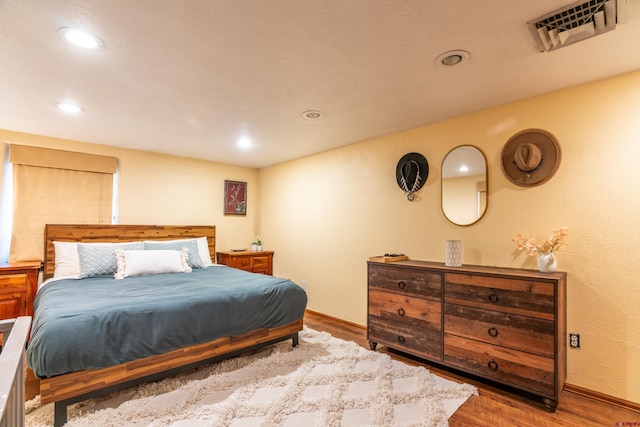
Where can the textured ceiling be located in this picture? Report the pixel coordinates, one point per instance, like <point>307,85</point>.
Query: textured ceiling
<point>191,77</point>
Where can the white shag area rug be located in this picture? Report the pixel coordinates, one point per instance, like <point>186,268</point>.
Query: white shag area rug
<point>324,381</point>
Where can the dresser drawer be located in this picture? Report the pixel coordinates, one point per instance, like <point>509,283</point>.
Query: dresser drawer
<point>530,334</point>
<point>519,296</point>
<point>399,335</point>
<point>422,283</point>
<point>519,369</point>
<point>414,311</point>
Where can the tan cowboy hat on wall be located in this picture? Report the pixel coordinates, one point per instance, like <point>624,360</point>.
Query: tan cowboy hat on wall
<point>530,157</point>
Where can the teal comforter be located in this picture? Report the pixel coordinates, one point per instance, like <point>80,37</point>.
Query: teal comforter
<point>100,322</point>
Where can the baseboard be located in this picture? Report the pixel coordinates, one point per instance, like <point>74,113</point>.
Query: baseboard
<point>611,400</point>
<point>334,319</point>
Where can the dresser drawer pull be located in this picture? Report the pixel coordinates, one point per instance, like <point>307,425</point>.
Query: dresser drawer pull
<point>492,365</point>
<point>402,285</point>
<point>493,332</point>
<point>401,311</point>
<point>494,298</point>
<point>401,339</point>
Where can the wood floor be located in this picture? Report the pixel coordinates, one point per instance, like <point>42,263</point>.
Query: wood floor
<point>494,406</point>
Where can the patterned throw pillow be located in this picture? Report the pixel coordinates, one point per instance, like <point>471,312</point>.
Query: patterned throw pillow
<point>194,256</point>
<point>100,259</point>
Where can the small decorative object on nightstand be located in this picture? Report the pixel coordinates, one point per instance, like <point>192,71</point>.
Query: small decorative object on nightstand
<point>253,261</point>
<point>18,286</point>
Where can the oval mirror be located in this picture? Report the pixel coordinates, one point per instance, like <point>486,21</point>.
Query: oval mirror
<point>464,185</point>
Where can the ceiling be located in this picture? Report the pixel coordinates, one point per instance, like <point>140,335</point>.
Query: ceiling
<point>192,77</point>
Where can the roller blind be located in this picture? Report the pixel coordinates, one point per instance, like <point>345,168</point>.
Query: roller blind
<point>56,187</point>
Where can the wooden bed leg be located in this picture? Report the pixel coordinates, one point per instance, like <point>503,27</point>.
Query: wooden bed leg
<point>295,340</point>
<point>60,414</point>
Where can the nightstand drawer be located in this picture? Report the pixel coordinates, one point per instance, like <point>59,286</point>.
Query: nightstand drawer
<point>18,286</point>
<point>260,261</point>
<point>12,305</point>
<point>253,261</point>
<point>242,263</point>
<point>13,281</point>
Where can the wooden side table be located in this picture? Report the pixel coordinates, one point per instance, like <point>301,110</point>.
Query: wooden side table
<point>18,286</point>
<point>253,261</point>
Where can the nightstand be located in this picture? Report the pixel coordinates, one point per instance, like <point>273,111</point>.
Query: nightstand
<point>18,286</point>
<point>253,261</point>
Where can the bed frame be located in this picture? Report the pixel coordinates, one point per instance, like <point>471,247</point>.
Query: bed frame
<point>63,390</point>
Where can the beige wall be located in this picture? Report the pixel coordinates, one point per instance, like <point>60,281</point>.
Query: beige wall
<point>161,189</point>
<point>326,214</point>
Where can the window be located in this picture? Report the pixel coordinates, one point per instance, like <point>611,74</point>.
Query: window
<point>55,187</point>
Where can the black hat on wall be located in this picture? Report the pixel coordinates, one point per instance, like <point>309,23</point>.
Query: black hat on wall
<point>412,172</point>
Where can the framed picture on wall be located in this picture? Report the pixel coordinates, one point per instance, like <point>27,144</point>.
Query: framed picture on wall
<point>235,198</point>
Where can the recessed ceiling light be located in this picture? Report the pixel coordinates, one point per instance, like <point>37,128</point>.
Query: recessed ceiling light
<point>244,143</point>
<point>313,114</point>
<point>81,38</point>
<point>69,108</point>
<point>452,57</point>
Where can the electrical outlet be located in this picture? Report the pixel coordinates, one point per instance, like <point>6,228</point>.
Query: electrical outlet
<point>574,340</point>
<point>303,283</point>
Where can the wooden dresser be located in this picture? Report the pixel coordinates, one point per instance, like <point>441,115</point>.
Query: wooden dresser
<point>18,286</point>
<point>501,324</point>
<point>253,261</point>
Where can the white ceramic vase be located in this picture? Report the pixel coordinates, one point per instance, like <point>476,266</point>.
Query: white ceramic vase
<point>453,253</point>
<point>547,263</point>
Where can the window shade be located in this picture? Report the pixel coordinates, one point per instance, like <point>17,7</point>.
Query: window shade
<point>60,159</point>
<point>63,191</point>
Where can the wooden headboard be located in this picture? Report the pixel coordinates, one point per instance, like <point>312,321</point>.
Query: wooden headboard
<point>93,233</point>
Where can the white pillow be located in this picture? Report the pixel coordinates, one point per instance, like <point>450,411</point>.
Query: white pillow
<point>141,262</point>
<point>203,249</point>
<point>67,263</point>
<point>201,243</point>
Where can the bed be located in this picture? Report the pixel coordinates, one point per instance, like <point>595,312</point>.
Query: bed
<point>103,332</point>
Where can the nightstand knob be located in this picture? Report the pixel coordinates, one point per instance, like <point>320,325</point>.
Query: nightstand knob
<point>402,285</point>
<point>401,311</point>
<point>493,332</point>
<point>492,365</point>
<point>494,298</point>
<point>401,339</point>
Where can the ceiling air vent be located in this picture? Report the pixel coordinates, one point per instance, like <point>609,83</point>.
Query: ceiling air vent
<point>576,22</point>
